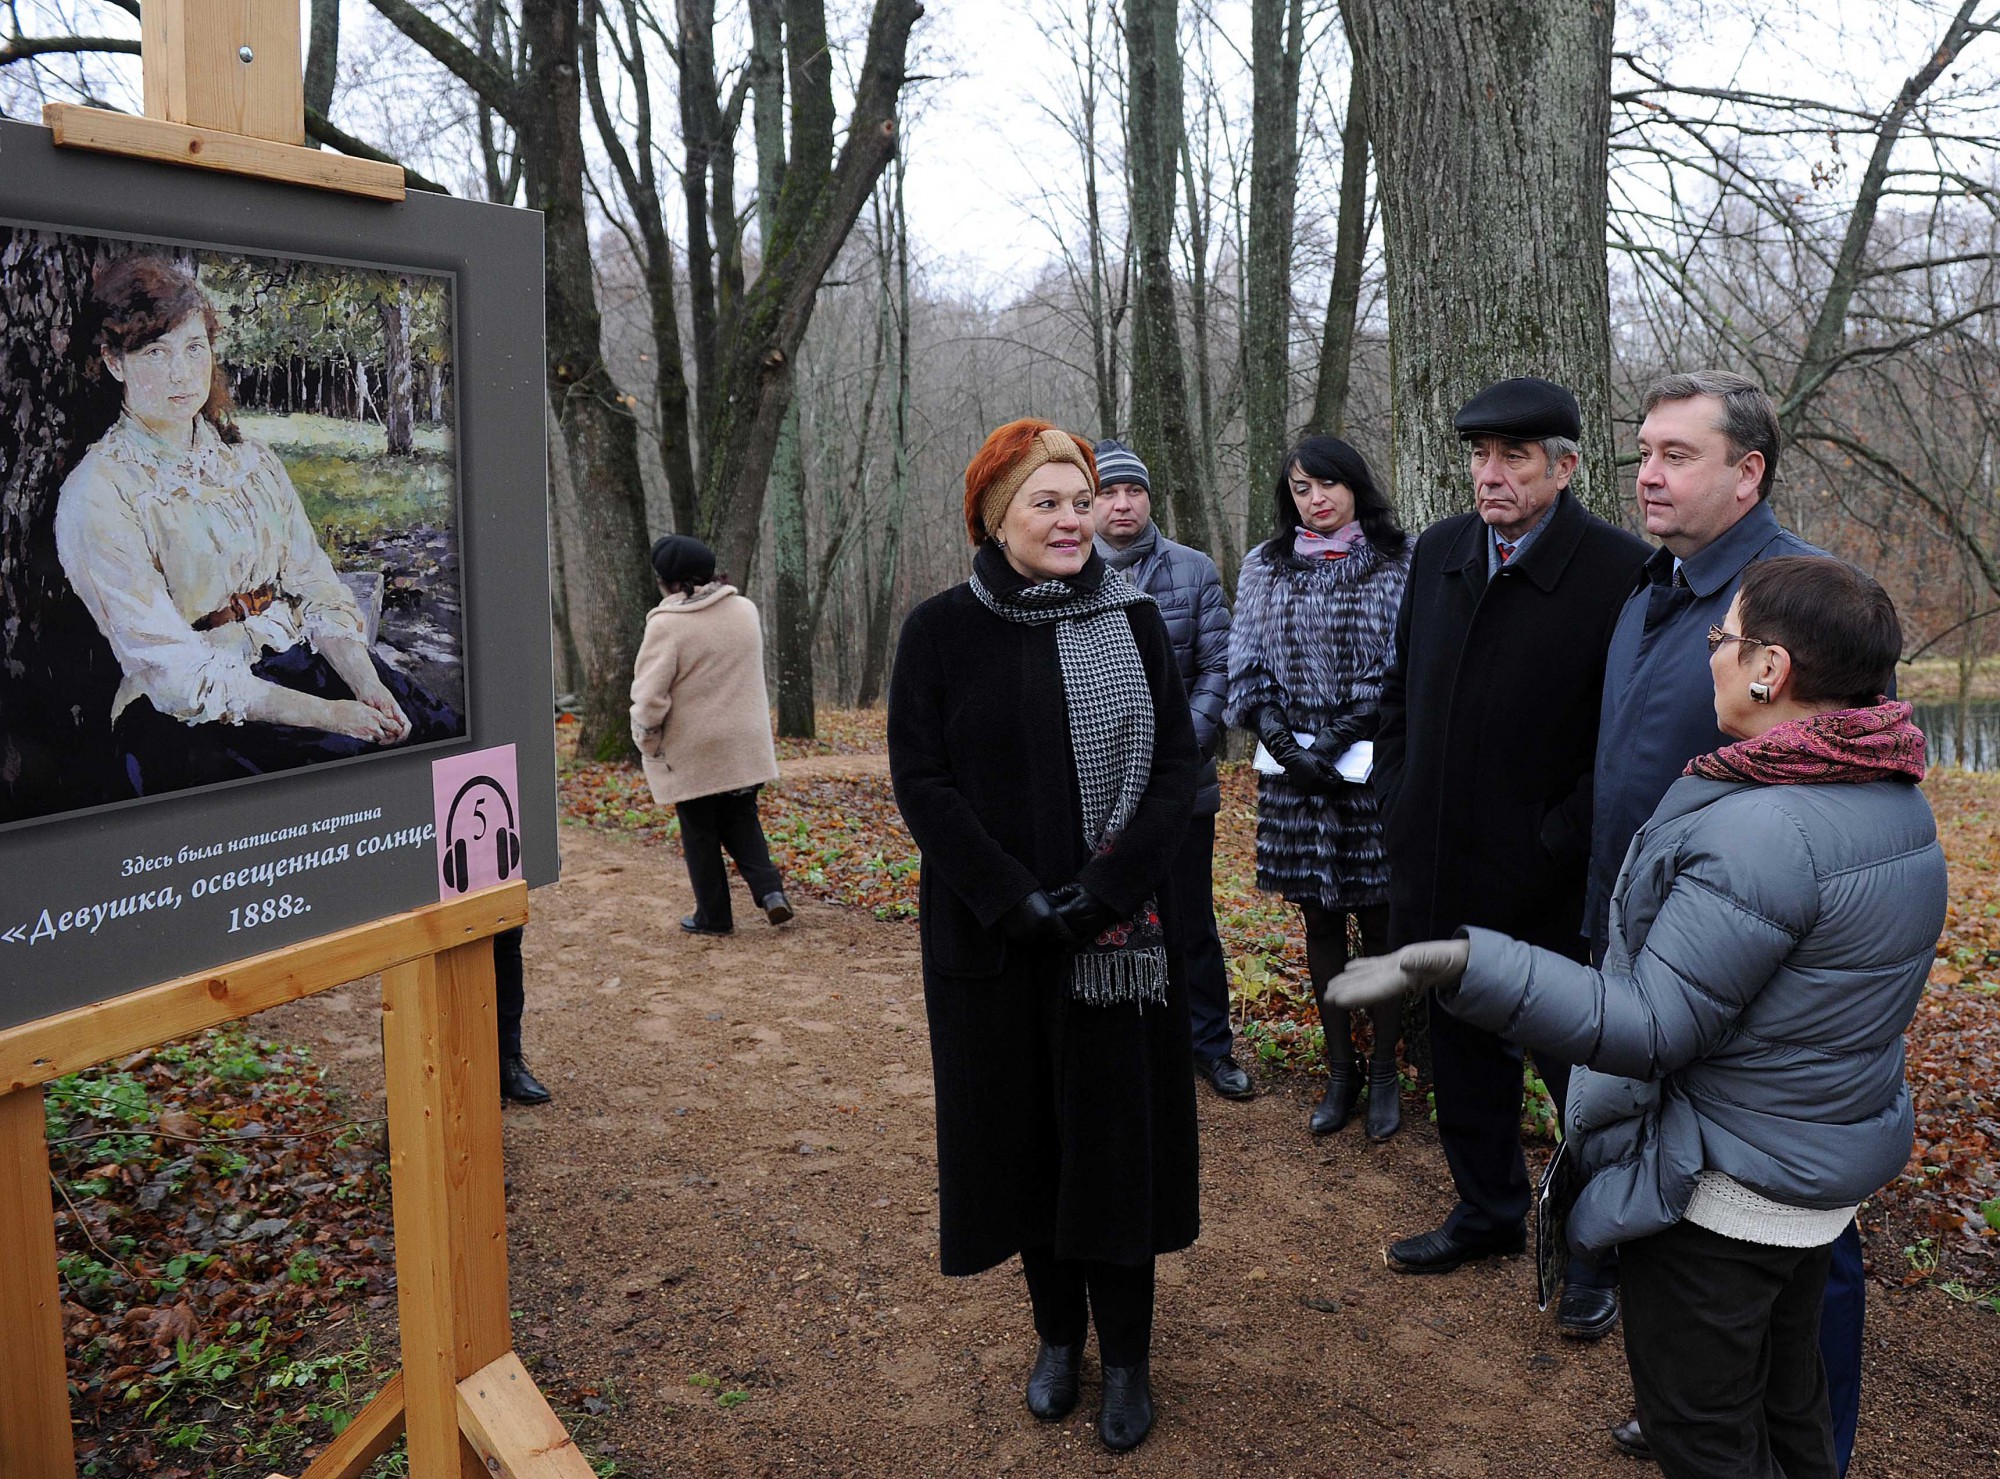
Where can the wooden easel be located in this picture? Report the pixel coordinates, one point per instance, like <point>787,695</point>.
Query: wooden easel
<point>224,91</point>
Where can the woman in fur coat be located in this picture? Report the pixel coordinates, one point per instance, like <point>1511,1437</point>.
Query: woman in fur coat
<point>1314,629</point>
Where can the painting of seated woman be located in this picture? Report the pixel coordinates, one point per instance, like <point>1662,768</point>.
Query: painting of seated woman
<point>256,625</point>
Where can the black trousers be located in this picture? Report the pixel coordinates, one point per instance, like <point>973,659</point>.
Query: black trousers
<point>509,989</point>
<point>1479,1092</point>
<point>160,753</point>
<point>1191,916</point>
<point>1723,1340</point>
<point>1326,957</point>
<point>709,824</point>
<point>1068,1292</point>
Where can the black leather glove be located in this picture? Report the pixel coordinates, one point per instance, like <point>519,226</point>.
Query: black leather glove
<point>1083,915</point>
<point>1035,922</point>
<point>1301,768</point>
<point>1346,730</point>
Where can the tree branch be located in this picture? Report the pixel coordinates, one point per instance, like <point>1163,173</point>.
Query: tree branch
<point>21,48</point>
<point>494,87</point>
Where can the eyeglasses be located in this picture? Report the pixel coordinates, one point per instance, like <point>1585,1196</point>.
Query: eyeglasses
<point>1717,636</point>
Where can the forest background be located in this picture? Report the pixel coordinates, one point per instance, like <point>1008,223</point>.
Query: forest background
<point>804,255</point>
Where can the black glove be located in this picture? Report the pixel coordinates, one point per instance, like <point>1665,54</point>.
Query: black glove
<point>1035,922</point>
<point>1301,769</point>
<point>1084,915</point>
<point>1346,730</point>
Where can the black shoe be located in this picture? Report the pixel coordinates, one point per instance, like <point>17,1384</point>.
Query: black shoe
<point>1385,1104</point>
<point>1336,1105</point>
<point>521,1086</point>
<point>1226,1076</point>
<point>1587,1314</point>
<point>1127,1414</point>
<point>777,908</point>
<point>1052,1380</point>
<point>1438,1252</point>
<point>693,925</point>
<point>1631,1440</point>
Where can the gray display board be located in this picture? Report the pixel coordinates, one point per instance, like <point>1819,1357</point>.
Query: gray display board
<point>274,585</point>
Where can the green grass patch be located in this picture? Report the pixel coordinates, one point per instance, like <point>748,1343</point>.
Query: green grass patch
<point>346,478</point>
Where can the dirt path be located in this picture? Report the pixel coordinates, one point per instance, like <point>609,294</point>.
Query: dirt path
<point>734,1193</point>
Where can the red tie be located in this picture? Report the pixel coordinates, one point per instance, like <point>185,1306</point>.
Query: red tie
<point>1506,549</point>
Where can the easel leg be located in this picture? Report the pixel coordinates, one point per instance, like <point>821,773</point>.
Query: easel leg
<point>441,1044</point>
<point>35,1440</point>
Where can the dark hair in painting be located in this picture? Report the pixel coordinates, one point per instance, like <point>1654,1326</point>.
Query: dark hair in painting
<point>141,299</point>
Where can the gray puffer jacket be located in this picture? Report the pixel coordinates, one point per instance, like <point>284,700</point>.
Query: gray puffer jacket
<point>1188,588</point>
<point>1769,945</point>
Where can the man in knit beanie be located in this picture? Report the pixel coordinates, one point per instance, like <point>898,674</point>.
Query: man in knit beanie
<point>1189,591</point>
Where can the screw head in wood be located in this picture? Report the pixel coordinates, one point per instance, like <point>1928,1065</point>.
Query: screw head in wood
<point>246,53</point>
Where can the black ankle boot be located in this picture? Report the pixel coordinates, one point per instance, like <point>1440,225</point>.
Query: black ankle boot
<point>1052,1380</point>
<point>1336,1106</point>
<point>1385,1103</point>
<point>1127,1414</point>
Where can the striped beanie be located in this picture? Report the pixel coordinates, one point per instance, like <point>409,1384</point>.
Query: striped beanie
<point>1118,463</point>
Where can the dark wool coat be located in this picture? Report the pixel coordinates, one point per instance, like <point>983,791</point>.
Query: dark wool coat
<point>1315,636</point>
<point>1489,727</point>
<point>1059,1124</point>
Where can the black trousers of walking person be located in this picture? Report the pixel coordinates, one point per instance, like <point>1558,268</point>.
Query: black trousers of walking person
<point>1191,906</point>
<point>1723,1340</point>
<point>1479,1088</point>
<point>709,824</point>
<point>509,988</point>
<point>1068,1293</point>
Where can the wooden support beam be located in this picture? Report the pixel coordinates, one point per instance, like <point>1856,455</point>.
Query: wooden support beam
<point>78,127</point>
<point>35,1052</point>
<point>34,1381</point>
<point>373,1433</point>
<point>508,1420</point>
<point>442,1049</point>
<point>233,65</point>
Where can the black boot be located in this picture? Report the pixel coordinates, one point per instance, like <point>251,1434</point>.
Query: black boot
<point>1385,1090</point>
<point>1343,1072</point>
<point>518,1084</point>
<point>1127,1414</point>
<point>1385,1103</point>
<point>1052,1380</point>
<point>777,908</point>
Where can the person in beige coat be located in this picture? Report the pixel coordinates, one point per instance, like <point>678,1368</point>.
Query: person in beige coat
<point>703,727</point>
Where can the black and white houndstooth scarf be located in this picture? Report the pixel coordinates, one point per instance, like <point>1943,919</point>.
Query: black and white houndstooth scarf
<point>1110,709</point>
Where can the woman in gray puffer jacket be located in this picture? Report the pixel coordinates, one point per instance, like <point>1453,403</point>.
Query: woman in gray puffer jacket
<point>1772,930</point>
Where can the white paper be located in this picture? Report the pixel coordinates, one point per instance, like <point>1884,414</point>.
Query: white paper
<point>1354,764</point>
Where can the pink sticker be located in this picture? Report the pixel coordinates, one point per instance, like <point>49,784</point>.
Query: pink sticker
<point>478,820</point>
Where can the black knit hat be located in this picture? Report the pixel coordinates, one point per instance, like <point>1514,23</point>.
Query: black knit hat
<point>1524,409</point>
<point>681,559</point>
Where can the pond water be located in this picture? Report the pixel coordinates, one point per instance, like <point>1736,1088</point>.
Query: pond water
<point>1939,723</point>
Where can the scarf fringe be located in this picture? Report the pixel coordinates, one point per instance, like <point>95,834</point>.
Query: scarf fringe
<point>1103,978</point>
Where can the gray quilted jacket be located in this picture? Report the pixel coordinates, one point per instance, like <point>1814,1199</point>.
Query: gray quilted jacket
<point>1188,589</point>
<point>1768,947</point>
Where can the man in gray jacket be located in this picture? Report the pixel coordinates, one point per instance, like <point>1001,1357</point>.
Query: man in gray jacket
<point>1189,591</point>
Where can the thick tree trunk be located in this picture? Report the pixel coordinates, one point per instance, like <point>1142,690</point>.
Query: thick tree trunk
<point>1350,245</point>
<point>322,58</point>
<point>1275,52</point>
<point>1491,126</point>
<point>605,532</point>
<point>1159,375</point>
<point>57,674</point>
<point>399,409</point>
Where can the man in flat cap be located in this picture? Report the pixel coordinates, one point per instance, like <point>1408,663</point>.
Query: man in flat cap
<point>1483,767</point>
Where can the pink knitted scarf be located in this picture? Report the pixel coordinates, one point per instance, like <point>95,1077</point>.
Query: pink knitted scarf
<point>1851,746</point>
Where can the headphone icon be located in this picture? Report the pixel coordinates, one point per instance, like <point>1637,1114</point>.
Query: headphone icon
<point>507,841</point>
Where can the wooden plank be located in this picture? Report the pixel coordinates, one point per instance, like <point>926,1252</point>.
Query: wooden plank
<point>194,72</point>
<point>373,1433</point>
<point>441,1047</point>
<point>34,1382</point>
<point>505,1417</point>
<point>78,127</point>
<point>35,1052</point>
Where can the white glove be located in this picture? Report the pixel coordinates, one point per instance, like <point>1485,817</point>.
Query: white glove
<point>1375,979</point>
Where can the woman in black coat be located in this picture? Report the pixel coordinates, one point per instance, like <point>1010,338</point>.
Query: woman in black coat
<point>1043,758</point>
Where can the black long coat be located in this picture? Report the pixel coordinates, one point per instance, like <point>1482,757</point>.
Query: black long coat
<point>1059,1124</point>
<point>1488,737</point>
